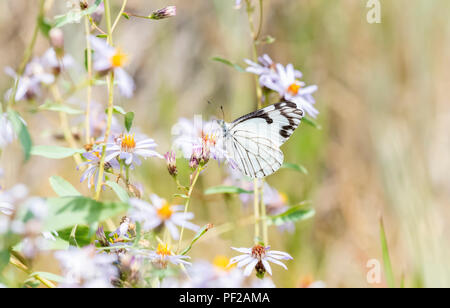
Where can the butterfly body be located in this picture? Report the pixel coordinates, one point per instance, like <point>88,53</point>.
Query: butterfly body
<point>253,141</point>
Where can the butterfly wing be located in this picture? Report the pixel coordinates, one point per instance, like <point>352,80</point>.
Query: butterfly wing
<point>253,140</point>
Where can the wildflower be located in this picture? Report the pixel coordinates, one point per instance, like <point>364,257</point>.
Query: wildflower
<point>7,134</point>
<point>162,255</point>
<point>166,12</point>
<point>126,148</point>
<point>285,82</point>
<point>101,237</point>
<point>30,83</point>
<point>93,162</point>
<point>171,163</point>
<point>122,231</point>
<point>56,63</point>
<point>160,212</point>
<point>199,138</point>
<point>215,274</point>
<point>9,198</point>
<point>86,268</point>
<point>129,266</point>
<point>108,58</point>
<point>258,257</point>
<point>98,13</point>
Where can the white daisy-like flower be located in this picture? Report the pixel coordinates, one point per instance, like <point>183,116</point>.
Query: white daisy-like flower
<point>258,257</point>
<point>86,268</point>
<point>7,134</point>
<point>163,255</point>
<point>215,274</point>
<point>93,162</point>
<point>56,64</point>
<point>126,148</point>
<point>108,58</point>
<point>200,138</point>
<point>265,66</point>
<point>30,83</point>
<point>160,212</point>
<point>286,83</point>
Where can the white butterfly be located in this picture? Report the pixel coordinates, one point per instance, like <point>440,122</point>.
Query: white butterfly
<point>253,141</point>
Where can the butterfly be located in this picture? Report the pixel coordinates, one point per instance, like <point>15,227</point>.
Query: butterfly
<point>253,141</point>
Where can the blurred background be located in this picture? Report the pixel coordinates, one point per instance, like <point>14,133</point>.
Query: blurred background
<point>383,150</point>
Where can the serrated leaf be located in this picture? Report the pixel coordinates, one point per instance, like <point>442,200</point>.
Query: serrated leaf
<point>199,234</point>
<point>66,212</point>
<point>295,167</point>
<point>229,63</point>
<point>226,190</point>
<point>119,190</point>
<point>293,214</point>
<point>312,122</point>
<point>54,152</point>
<point>63,188</point>
<point>22,133</point>
<point>51,106</point>
<point>129,116</point>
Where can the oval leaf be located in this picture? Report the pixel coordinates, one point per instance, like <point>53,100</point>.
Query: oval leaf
<point>119,190</point>
<point>54,152</point>
<point>293,214</point>
<point>226,190</point>
<point>63,188</point>
<point>295,167</point>
<point>22,133</point>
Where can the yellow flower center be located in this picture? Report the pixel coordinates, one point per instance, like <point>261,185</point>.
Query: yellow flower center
<point>293,88</point>
<point>128,144</point>
<point>165,211</point>
<point>96,153</point>
<point>209,139</point>
<point>163,250</point>
<point>221,262</point>
<point>283,198</point>
<point>118,59</point>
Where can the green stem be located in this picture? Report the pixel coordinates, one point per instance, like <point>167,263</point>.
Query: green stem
<point>110,83</point>
<point>186,206</point>
<point>89,86</point>
<point>124,4</point>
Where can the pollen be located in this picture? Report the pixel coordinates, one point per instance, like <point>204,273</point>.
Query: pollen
<point>293,88</point>
<point>165,211</point>
<point>209,139</point>
<point>128,144</point>
<point>258,251</point>
<point>118,59</point>
<point>163,250</point>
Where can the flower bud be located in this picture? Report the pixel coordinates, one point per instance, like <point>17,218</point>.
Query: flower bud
<point>98,14</point>
<point>195,158</point>
<point>171,163</point>
<point>164,13</point>
<point>84,4</point>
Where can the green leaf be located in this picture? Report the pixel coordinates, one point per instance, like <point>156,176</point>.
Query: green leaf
<point>74,16</point>
<point>229,63</point>
<point>65,212</point>
<point>44,25</point>
<point>22,133</point>
<point>119,190</point>
<point>386,258</point>
<point>81,237</point>
<point>129,116</point>
<point>54,152</point>
<point>124,14</point>
<point>117,110</point>
<point>293,214</point>
<point>312,123</point>
<point>51,106</point>
<point>4,258</point>
<point>184,196</point>
<point>102,35</point>
<point>295,167</point>
<point>266,40</point>
<point>199,234</point>
<point>226,190</point>
<point>63,188</point>
<point>48,276</point>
